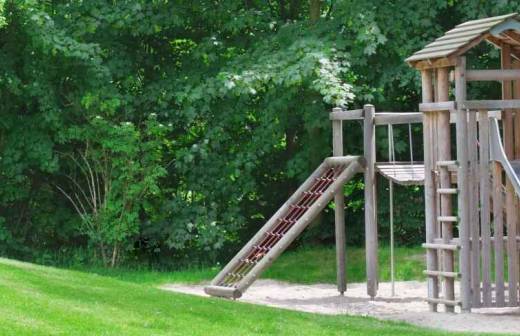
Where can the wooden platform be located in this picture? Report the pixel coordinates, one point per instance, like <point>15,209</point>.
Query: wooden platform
<point>403,173</point>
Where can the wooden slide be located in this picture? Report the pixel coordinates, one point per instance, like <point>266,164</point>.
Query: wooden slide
<point>284,226</point>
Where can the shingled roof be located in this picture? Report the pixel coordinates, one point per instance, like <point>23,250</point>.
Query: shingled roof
<point>455,42</point>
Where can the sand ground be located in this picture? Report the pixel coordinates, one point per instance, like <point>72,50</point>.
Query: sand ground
<point>407,305</point>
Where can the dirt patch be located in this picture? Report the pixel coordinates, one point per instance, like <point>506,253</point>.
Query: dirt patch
<point>407,305</point>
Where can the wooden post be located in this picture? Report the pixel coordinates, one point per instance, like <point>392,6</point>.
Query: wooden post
<point>432,262</point>
<point>444,154</point>
<point>339,209</point>
<point>462,180</point>
<point>485,206</point>
<point>370,201</point>
<point>511,209</point>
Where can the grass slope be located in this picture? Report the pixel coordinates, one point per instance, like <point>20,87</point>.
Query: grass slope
<point>38,300</point>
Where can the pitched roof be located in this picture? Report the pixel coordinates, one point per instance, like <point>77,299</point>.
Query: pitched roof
<point>465,35</point>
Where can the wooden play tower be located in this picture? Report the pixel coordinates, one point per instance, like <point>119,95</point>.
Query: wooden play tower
<point>470,175</point>
<point>482,225</point>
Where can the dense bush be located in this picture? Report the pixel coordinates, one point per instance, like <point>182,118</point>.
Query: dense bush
<point>168,131</point>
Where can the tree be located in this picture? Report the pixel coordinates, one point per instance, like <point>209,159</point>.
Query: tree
<point>242,88</point>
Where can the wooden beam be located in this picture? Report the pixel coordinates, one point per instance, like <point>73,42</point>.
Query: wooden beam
<point>500,43</point>
<point>339,114</point>
<point>438,106</point>
<point>513,35</point>
<point>432,64</point>
<point>394,118</point>
<point>505,104</point>
<point>381,118</point>
<point>342,160</point>
<point>493,75</point>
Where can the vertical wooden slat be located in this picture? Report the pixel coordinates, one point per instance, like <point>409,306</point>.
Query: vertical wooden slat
<point>462,179</point>
<point>516,95</point>
<point>485,207</point>
<point>511,211</point>
<point>370,200</point>
<point>432,263</point>
<point>473,209</point>
<point>498,228</point>
<point>444,154</point>
<point>507,93</point>
<point>512,251</point>
<point>339,209</point>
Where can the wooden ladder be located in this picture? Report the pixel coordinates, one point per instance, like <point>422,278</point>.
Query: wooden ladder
<point>445,245</point>
<point>284,226</point>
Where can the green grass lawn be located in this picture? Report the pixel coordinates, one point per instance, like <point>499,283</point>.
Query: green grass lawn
<point>38,300</point>
<point>305,265</point>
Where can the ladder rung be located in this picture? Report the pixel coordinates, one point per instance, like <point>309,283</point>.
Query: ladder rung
<point>261,248</point>
<point>313,193</point>
<point>447,219</point>
<point>444,301</point>
<point>441,274</point>
<point>434,246</point>
<point>453,241</point>
<point>446,163</point>
<point>272,234</point>
<point>236,275</point>
<point>447,191</point>
<point>325,179</point>
<point>299,207</point>
<point>249,262</point>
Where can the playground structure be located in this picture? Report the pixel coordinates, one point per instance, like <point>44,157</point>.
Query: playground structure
<point>470,193</point>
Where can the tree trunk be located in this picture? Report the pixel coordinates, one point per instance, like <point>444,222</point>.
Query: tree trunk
<point>282,9</point>
<point>314,10</point>
<point>114,256</point>
<point>294,9</point>
<point>103,253</point>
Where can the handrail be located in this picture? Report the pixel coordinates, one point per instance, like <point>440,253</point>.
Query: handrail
<point>492,75</point>
<point>498,154</point>
<point>380,118</point>
<point>503,104</point>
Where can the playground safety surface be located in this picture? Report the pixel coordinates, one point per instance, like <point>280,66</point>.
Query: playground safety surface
<point>407,305</point>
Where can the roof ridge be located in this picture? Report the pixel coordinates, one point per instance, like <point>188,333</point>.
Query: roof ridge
<point>488,19</point>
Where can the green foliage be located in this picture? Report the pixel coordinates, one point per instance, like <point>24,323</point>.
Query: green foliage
<point>241,88</point>
<point>118,174</point>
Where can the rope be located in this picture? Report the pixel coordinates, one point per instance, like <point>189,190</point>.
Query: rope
<point>410,140</point>
<point>391,157</point>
